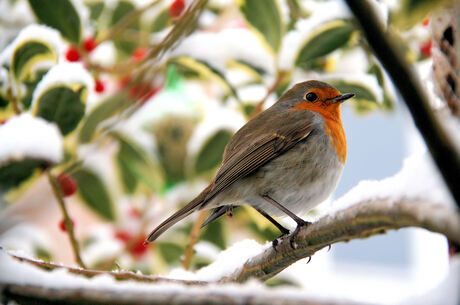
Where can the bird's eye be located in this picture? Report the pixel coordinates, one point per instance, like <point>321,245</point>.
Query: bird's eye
<point>311,97</point>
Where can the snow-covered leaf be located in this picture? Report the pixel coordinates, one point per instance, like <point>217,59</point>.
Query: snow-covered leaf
<point>205,70</point>
<point>325,39</point>
<point>364,100</point>
<point>265,19</point>
<point>94,193</point>
<point>135,166</point>
<point>60,15</point>
<point>14,173</point>
<point>210,155</point>
<point>26,55</point>
<point>100,113</point>
<point>63,105</point>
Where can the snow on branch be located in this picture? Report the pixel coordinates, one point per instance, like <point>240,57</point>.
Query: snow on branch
<point>358,221</point>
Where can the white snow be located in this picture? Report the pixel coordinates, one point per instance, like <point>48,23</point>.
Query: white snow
<point>227,261</point>
<point>25,136</point>
<point>104,54</point>
<point>34,32</point>
<point>217,48</point>
<point>418,178</point>
<point>65,74</point>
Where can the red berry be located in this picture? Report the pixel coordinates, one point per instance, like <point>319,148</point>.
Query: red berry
<point>426,22</point>
<point>124,81</point>
<point>72,54</point>
<point>63,227</point>
<point>89,44</point>
<point>3,121</point>
<point>139,248</point>
<point>123,236</point>
<point>139,54</point>
<point>99,87</point>
<point>425,48</point>
<point>134,212</point>
<point>68,185</point>
<point>176,8</point>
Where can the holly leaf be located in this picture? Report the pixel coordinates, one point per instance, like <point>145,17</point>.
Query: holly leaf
<point>364,100</point>
<point>264,18</point>
<point>59,14</point>
<point>94,193</point>
<point>205,70</point>
<point>13,173</point>
<point>26,55</point>
<point>210,154</point>
<point>324,40</point>
<point>62,105</point>
<point>101,112</point>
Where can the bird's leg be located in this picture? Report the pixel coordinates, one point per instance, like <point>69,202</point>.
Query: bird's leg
<point>283,230</point>
<point>300,222</point>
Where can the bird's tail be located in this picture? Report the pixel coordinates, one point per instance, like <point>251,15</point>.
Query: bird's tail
<point>191,207</point>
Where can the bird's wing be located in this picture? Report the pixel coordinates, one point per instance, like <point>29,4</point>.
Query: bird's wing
<point>257,144</point>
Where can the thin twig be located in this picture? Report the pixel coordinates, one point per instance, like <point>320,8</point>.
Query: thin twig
<point>124,275</point>
<point>67,220</point>
<point>441,147</point>
<point>13,101</point>
<point>127,21</point>
<point>192,239</point>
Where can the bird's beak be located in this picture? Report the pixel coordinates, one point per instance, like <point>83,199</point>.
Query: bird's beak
<point>342,98</point>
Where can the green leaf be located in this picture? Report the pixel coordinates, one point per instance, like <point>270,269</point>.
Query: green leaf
<point>364,100</point>
<point>27,54</point>
<point>101,112</point>
<point>94,193</point>
<point>388,102</point>
<point>161,21</point>
<point>327,38</point>
<point>30,85</point>
<point>3,101</point>
<point>254,71</point>
<point>14,173</point>
<point>95,8</point>
<point>59,14</point>
<point>135,166</point>
<point>214,233</point>
<point>412,12</point>
<point>170,252</point>
<point>264,17</point>
<point>61,105</point>
<point>210,155</point>
<point>122,10</point>
<point>205,70</point>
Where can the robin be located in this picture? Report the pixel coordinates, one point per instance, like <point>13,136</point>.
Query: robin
<point>284,161</point>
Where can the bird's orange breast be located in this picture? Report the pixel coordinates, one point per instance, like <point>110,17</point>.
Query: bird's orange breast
<point>333,124</point>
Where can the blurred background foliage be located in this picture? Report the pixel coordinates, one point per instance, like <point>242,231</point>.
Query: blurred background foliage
<point>146,119</point>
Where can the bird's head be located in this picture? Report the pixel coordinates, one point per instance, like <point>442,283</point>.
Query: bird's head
<point>315,96</point>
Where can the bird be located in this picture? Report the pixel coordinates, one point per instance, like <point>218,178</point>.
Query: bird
<point>284,161</point>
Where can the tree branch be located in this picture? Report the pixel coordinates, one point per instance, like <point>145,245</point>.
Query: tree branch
<point>405,79</point>
<point>358,221</point>
<point>122,275</point>
<point>216,295</point>
<point>67,221</point>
